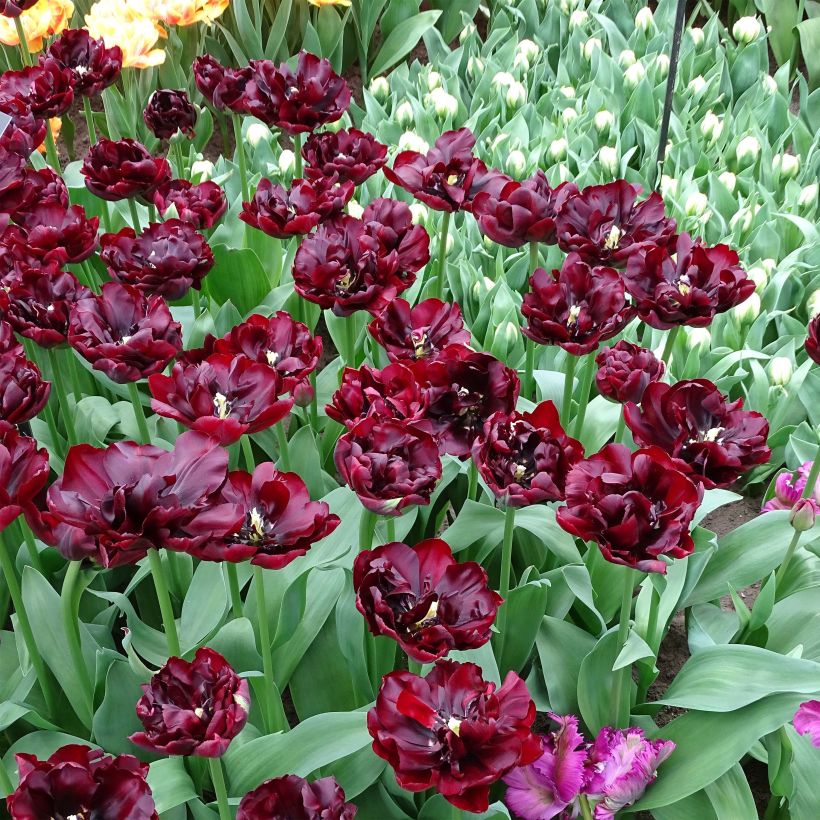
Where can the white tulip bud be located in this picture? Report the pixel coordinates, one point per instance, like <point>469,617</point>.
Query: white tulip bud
<point>420,213</point>
<point>529,49</point>
<point>627,58</point>
<point>669,186</point>
<point>608,157</point>
<point>758,275</point>
<point>433,80</point>
<point>466,32</point>
<point>747,311</point>
<point>444,104</point>
<point>516,163</point>
<point>516,95</point>
<point>404,114</point>
<point>567,91</point>
<point>503,79</point>
<point>787,164</point>
<point>748,150</point>
<point>564,174</point>
<point>448,248</point>
<point>567,6</point>
<point>604,120</point>
<point>521,62</point>
<point>482,287</point>
<point>711,126</point>
<point>769,265</point>
<point>747,30</point>
<point>696,85</point>
<point>590,47</point>
<point>201,170</point>
<point>578,19</point>
<point>729,181</point>
<point>499,140</point>
<point>380,88</point>
<point>511,333</point>
<point>287,161</point>
<point>558,149</point>
<point>411,141</point>
<point>743,218</point>
<point>696,35</point>
<point>662,64</point>
<point>696,204</point>
<point>780,370</point>
<point>257,134</point>
<point>354,209</point>
<point>644,20</point>
<point>813,304</point>
<point>475,68</point>
<point>488,243</point>
<point>568,115</point>
<point>698,337</point>
<point>769,84</point>
<point>634,75</point>
<point>808,196</point>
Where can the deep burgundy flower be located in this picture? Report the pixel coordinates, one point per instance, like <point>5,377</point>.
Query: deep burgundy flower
<point>127,498</point>
<point>636,506</point>
<point>293,798</point>
<point>391,223</point>
<point>166,259</point>
<point>52,226</point>
<point>31,190</point>
<point>169,111</point>
<point>524,457</point>
<point>37,305</point>
<point>12,175</point>
<point>812,343</point>
<point>9,346</point>
<point>463,389</point>
<point>25,132</point>
<point>521,212</point>
<point>344,267</point>
<point>389,465</point>
<point>193,708</point>
<point>224,396</point>
<point>123,333</point>
<point>24,472</point>
<point>123,169</point>
<point>94,67</point>
<point>23,393</point>
<point>441,178</point>
<point>424,599</point>
<point>605,224</point>
<point>222,86</point>
<point>686,283</point>
<point>453,730</point>
<point>46,88</point>
<point>350,154</point>
<point>625,371</point>
<point>419,332</point>
<point>483,180</point>
<point>576,307</point>
<point>208,73</point>
<point>79,782</point>
<point>284,213</point>
<point>14,8</point>
<point>711,439</point>
<point>280,524</point>
<point>201,205</point>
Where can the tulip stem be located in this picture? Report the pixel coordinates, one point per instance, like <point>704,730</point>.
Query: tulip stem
<point>179,157</point>
<point>314,403</point>
<point>62,397</point>
<point>247,453</point>
<point>391,529</point>
<point>272,724</point>
<point>51,149</point>
<point>69,606</point>
<point>89,120</point>
<point>21,36</point>
<point>624,675</point>
<point>569,383</point>
<point>240,157</point>
<point>74,376</point>
<point>298,165</point>
<point>195,303</point>
<point>586,810</point>
<point>139,412</point>
<point>472,480</point>
<point>671,336</point>
<point>28,538</point>
<point>221,791</point>
<point>164,599</point>
<point>506,566</point>
<point>620,429</point>
<point>367,530</point>
<point>351,337</point>
<point>284,454</point>
<point>135,217</point>
<point>583,397</point>
<point>442,255</point>
<point>233,588</point>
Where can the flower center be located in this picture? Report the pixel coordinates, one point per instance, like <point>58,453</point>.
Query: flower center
<point>257,526</point>
<point>125,340</point>
<point>713,434</point>
<point>452,179</point>
<point>419,340</point>
<point>344,282</point>
<point>613,238</point>
<point>519,472</point>
<point>430,617</point>
<point>574,313</point>
<point>81,70</point>
<point>454,725</point>
<point>222,406</point>
<point>272,357</point>
<point>199,712</point>
<point>684,285</point>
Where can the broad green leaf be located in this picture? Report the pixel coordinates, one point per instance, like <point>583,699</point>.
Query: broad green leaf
<point>804,802</point>
<point>731,797</point>
<point>810,47</point>
<point>204,606</point>
<point>562,647</point>
<point>402,40</point>
<point>116,718</point>
<point>170,783</point>
<point>238,275</point>
<point>596,681</point>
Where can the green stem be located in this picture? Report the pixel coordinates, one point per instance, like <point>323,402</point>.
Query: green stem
<point>314,403</point>
<point>69,607</point>
<point>218,781</point>
<point>51,150</point>
<point>624,675</point>
<point>233,587</point>
<point>282,439</point>
<point>272,724</point>
<point>351,336</point>
<point>247,451</point>
<point>391,529</point>
<point>298,164</point>
<point>62,397</point>
<point>241,159</point>
<point>442,255</point>
<point>73,375</point>
<point>51,423</point>
<point>472,481</point>
<point>31,546</point>
<point>106,218</point>
<point>164,598</point>
<point>586,810</point>
<point>179,158</point>
<point>506,567</point>
<point>583,397</point>
<point>195,302</point>
<point>671,336</point>
<point>135,217</point>
<point>569,382</point>
<point>89,121</point>
<point>620,429</point>
<point>139,412</point>
<point>21,36</point>
<point>367,530</point>
<point>528,388</point>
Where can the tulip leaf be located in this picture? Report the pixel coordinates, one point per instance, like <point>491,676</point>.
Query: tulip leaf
<point>526,607</point>
<point>402,40</point>
<point>596,681</point>
<point>204,606</point>
<point>238,275</point>
<point>562,647</point>
<point>116,718</point>
<point>731,797</point>
<point>170,784</point>
<point>635,649</point>
<point>804,801</point>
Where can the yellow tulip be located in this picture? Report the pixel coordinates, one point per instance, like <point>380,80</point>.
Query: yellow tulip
<point>185,12</point>
<point>127,26</point>
<point>329,2</point>
<point>44,19</point>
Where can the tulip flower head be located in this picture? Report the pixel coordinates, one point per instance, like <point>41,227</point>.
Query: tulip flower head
<point>291,797</point>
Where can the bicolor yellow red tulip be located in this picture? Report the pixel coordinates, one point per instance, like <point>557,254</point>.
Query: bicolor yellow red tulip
<point>126,25</point>
<point>44,19</point>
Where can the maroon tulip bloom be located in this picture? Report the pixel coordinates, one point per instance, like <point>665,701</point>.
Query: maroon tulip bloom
<point>79,782</point>
<point>201,205</point>
<point>194,708</point>
<point>524,458</point>
<point>522,212</point>
<point>208,73</point>
<point>293,798</point>
<point>453,730</point>
<point>484,180</point>
<point>93,66</point>
<point>686,283</point>
<point>32,189</point>
<point>576,307</point>
<point>37,305</point>
<point>712,440</point>
<point>25,132</point>
<point>24,472</point>
<point>422,598</point>
<point>281,523</point>
<point>223,87</point>
<point>123,169</point>
<point>625,371</point>
<point>169,111</point>
<point>282,214</point>
<point>45,88</point>
<point>605,225</point>
<point>391,223</point>
<point>389,465</point>
<point>224,397</point>
<point>813,340</point>
<point>166,259</point>
<point>14,8</point>
<point>53,227</point>
<point>419,332</point>
<point>123,333</point>
<point>23,393</point>
<point>443,177</point>
<point>464,389</point>
<point>9,346</point>
<point>349,154</point>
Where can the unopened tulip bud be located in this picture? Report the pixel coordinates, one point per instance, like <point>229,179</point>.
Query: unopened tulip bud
<point>567,6</point>
<point>302,393</point>
<point>411,141</point>
<point>813,304</point>
<point>644,20</point>
<point>699,337</point>
<point>627,58</point>
<point>380,88</point>
<point>662,63</point>
<point>578,19</point>
<point>257,134</point>
<point>354,209</point>
<point>748,150</point>
<point>558,149</point>
<point>780,370</point>
<point>590,47</point>
<point>608,157</point>
<point>567,91</point>
<point>669,186</point>
<point>521,62</point>
<point>569,115</point>
<point>742,218</point>
<point>696,204</point>
<point>434,80</point>
<point>420,213</point>
<point>747,29</point>
<point>808,196</point>
<point>769,84</point>
<point>604,120</point>
<point>516,95</point>
<point>287,161</point>
<point>489,244</point>
<point>802,515</point>
<point>201,170</point>
<point>404,114</point>
<point>516,164</point>
<point>696,85</point>
<point>482,287</point>
<point>787,164</point>
<point>634,75</point>
<point>466,32</point>
<point>711,126</point>
<point>696,35</point>
<point>449,243</point>
<point>747,311</point>
<point>475,68</point>
<point>444,104</point>
<point>759,276</point>
<point>503,79</point>
<point>529,49</point>
<point>769,265</point>
<point>729,181</point>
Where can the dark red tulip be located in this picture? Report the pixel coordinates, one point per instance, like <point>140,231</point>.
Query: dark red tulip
<point>484,180</point>
<point>522,212</point>
<point>576,307</point>
<point>625,371</point>
<point>17,254</point>
<point>53,227</point>
<point>208,73</point>
<point>193,708</point>
<point>24,472</point>
<point>389,465</point>
<point>637,506</point>
<point>37,305</point>
<point>463,389</point>
<point>605,224</point>
<point>419,332</point>
<point>201,205</point>
<point>443,177</point>
<point>166,259</point>
<point>123,333</point>
<point>424,599</point>
<point>25,132</point>
<point>33,189</point>
<point>223,397</point>
<point>169,111</point>
<point>813,339</point>
<point>222,86</point>
<point>80,782</point>
<point>714,441</point>
<point>94,67</point>
<point>23,393</point>
<point>524,457</point>
<point>127,498</point>
<point>12,176</point>
<point>453,731</point>
<point>391,394</point>
<point>14,8</point>
<point>281,523</point>
<point>350,154</point>
<point>293,798</point>
<point>45,88</point>
<point>391,222</point>
<point>686,283</point>
<point>123,169</point>
<point>9,346</point>
<point>284,213</point>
